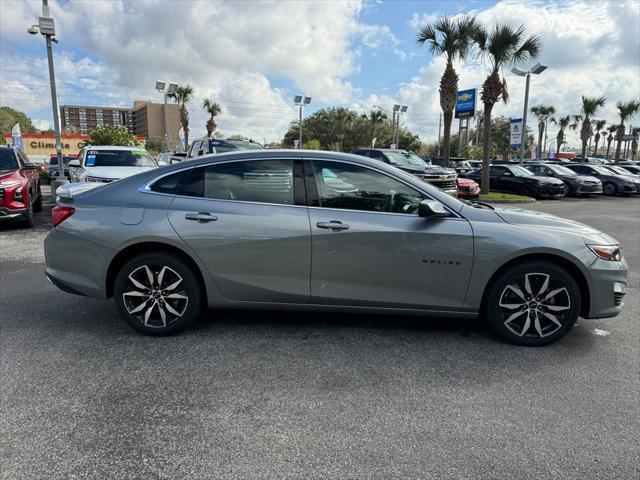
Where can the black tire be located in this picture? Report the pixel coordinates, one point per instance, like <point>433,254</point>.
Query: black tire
<point>37,206</point>
<point>542,320</point>
<point>529,190</point>
<point>150,301</point>
<point>566,190</point>
<point>609,188</point>
<point>29,218</point>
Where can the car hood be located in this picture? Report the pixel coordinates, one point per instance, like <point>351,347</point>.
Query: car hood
<point>428,170</point>
<point>115,172</point>
<point>8,175</point>
<point>519,216</point>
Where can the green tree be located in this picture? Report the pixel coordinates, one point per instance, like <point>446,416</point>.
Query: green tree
<point>590,106</point>
<point>10,116</point>
<point>611,129</point>
<point>213,109</point>
<point>154,145</point>
<point>626,110</point>
<point>599,125</point>
<point>543,113</point>
<point>312,144</point>
<point>501,45</point>
<point>568,121</point>
<point>182,96</point>
<point>451,38</point>
<point>375,117</point>
<point>108,135</point>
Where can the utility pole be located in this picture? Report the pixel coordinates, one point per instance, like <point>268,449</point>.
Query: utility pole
<point>46,27</point>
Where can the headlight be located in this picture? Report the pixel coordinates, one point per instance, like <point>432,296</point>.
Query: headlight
<point>607,252</point>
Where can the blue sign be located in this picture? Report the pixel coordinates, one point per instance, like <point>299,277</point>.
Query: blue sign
<point>466,103</point>
<point>515,137</point>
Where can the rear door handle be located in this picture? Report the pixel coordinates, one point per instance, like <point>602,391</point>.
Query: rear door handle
<point>333,225</point>
<point>201,217</point>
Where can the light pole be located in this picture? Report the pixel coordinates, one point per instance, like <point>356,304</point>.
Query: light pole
<point>301,102</point>
<point>166,88</point>
<point>537,69</point>
<point>47,28</point>
<point>397,110</point>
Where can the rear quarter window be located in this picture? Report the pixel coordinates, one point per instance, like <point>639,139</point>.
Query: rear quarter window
<point>169,184</point>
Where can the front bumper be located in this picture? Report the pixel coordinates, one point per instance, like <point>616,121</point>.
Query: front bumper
<point>467,192</point>
<point>586,189</point>
<point>9,213</point>
<point>607,285</point>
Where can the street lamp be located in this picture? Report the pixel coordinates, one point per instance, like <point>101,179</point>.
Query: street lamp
<point>166,88</point>
<point>301,101</point>
<point>537,69</point>
<point>400,109</point>
<point>47,28</point>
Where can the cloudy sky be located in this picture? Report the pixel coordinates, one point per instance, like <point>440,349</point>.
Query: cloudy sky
<point>252,57</point>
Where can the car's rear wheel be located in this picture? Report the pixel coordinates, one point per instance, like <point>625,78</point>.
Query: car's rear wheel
<point>533,304</point>
<point>609,188</point>
<point>157,293</point>
<point>529,191</point>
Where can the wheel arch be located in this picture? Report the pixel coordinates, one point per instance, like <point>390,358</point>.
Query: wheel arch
<point>127,253</point>
<point>572,268</point>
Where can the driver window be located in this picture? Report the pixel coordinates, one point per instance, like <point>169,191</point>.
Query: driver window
<point>352,187</point>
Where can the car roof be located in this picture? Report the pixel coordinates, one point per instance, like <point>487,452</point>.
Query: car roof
<point>112,147</point>
<point>379,150</point>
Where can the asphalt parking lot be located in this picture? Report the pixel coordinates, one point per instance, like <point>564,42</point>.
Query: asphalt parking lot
<point>282,395</point>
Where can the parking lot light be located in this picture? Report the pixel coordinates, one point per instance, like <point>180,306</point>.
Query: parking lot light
<point>301,102</point>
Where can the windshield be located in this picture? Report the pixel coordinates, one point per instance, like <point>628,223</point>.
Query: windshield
<point>119,158</point>
<point>601,170</point>
<point>406,159</point>
<point>560,170</point>
<point>519,171</point>
<point>65,160</point>
<point>619,170</point>
<point>7,159</point>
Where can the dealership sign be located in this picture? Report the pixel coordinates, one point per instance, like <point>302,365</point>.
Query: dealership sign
<point>466,103</point>
<point>16,137</point>
<point>515,139</point>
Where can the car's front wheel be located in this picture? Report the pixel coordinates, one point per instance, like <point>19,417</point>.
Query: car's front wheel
<point>533,303</point>
<point>157,293</point>
<point>529,191</point>
<point>609,188</point>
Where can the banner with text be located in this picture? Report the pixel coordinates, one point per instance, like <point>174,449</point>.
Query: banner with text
<point>515,139</point>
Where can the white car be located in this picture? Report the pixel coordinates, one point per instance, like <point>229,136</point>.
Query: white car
<point>106,163</point>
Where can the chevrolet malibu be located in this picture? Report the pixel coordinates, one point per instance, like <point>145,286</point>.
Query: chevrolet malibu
<point>311,230</point>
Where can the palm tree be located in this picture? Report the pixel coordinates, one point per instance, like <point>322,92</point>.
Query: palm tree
<point>542,113</point>
<point>453,39</point>
<point>502,45</point>
<point>611,129</point>
<point>634,143</point>
<point>375,117</point>
<point>568,121</point>
<point>599,126</point>
<point>626,110</point>
<point>181,96</point>
<point>590,106</point>
<point>213,109</point>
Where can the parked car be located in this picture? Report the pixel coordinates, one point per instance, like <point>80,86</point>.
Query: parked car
<point>206,146</point>
<point>621,170</point>
<point>106,163</point>
<point>460,165</point>
<point>611,183</point>
<point>164,158</point>
<point>475,164</point>
<point>208,234</point>
<point>634,169</point>
<point>20,194</point>
<point>467,188</point>
<point>178,157</point>
<point>52,166</point>
<point>574,184</point>
<point>517,179</point>
<point>443,178</point>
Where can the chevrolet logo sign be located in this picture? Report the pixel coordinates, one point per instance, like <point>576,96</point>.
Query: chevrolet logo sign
<point>464,97</point>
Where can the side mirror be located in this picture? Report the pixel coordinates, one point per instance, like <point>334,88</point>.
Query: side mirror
<point>31,166</point>
<point>431,208</point>
<point>75,163</point>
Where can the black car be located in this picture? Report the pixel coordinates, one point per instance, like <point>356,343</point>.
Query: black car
<point>436,175</point>
<point>611,183</point>
<point>574,183</point>
<point>517,179</point>
<point>205,146</point>
<point>633,169</point>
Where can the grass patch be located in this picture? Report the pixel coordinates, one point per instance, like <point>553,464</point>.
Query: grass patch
<point>504,196</point>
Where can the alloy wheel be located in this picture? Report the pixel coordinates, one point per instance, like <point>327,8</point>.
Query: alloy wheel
<point>609,189</point>
<point>155,295</point>
<point>535,306</point>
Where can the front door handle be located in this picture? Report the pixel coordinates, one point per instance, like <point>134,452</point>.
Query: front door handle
<point>333,225</point>
<point>201,217</point>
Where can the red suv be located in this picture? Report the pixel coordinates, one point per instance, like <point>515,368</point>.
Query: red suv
<point>20,193</point>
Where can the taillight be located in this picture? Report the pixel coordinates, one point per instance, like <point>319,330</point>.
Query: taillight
<point>60,214</point>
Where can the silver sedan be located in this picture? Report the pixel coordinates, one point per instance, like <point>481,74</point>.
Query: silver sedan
<point>313,230</point>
